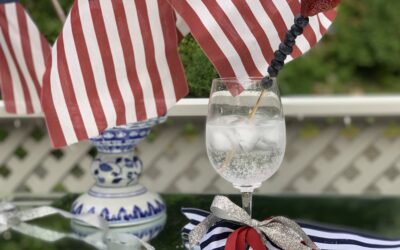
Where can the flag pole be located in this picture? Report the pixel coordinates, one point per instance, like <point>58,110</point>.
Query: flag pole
<point>60,12</point>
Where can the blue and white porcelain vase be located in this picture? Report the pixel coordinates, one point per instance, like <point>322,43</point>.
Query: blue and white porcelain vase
<point>117,195</point>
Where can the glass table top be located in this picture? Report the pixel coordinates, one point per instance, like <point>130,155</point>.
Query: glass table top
<point>377,215</point>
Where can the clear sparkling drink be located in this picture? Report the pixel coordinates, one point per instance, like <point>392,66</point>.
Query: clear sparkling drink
<point>245,151</point>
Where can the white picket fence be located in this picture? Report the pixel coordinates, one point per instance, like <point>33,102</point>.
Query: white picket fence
<point>343,145</point>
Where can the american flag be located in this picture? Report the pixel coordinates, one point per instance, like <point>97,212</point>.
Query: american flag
<point>115,62</point>
<point>23,55</point>
<point>241,36</point>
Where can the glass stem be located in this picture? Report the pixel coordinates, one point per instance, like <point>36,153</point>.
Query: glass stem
<point>247,201</point>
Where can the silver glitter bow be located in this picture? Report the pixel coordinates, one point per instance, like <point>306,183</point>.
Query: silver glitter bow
<point>11,218</point>
<point>282,231</point>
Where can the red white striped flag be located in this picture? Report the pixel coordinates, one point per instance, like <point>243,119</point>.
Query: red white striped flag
<point>183,29</point>
<point>23,55</point>
<point>115,62</point>
<point>241,36</point>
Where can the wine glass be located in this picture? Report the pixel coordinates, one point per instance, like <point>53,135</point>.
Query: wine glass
<point>245,132</point>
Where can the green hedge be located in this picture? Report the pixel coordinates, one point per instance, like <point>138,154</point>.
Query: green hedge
<point>359,55</point>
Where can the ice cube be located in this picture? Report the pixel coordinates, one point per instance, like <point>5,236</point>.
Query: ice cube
<point>228,120</point>
<point>271,134</point>
<point>246,135</point>
<point>264,145</point>
<point>221,141</point>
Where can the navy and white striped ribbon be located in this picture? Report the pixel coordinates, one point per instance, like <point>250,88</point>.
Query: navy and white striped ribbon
<point>325,237</point>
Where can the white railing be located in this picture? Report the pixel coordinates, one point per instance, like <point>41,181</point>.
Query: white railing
<point>323,156</point>
<point>311,106</point>
<point>294,106</point>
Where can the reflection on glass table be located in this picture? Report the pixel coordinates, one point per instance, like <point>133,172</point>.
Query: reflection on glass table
<point>377,215</point>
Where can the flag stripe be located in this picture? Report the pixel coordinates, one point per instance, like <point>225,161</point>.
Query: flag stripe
<point>182,27</point>
<point>46,50</point>
<point>60,103</point>
<point>255,27</point>
<point>90,60</point>
<point>218,35</point>
<point>117,63</point>
<point>128,54</point>
<point>140,57</point>
<point>26,47</point>
<point>314,24</point>
<point>53,123</point>
<point>149,49</point>
<point>117,55</point>
<point>14,77</point>
<point>232,34</point>
<point>267,25</point>
<point>89,80</point>
<point>279,24</point>
<point>211,47</point>
<point>321,27</point>
<point>15,83</point>
<point>179,81</point>
<point>73,84</point>
<point>23,59</point>
<point>325,20</point>
<point>242,28</point>
<point>107,61</point>
<point>330,14</point>
<point>18,52</point>
<point>287,16</point>
<point>5,77</point>
<point>15,68</point>
<point>68,87</point>
<point>40,51</point>
<point>159,50</point>
<point>246,34</point>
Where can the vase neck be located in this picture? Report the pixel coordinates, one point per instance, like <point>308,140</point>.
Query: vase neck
<point>116,169</point>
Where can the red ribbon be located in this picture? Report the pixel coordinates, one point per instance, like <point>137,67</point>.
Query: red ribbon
<point>243,237</point>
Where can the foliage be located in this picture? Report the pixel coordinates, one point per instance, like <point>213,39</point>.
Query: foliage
<point>309,131</point>
<point>392,131</point>
<point>190,130</point>
<point>45,17</point>
<point>4,171</point>
<point>350,131</point>
<point>199,70</point>
<point>359,55</point>
<point>3,134</point>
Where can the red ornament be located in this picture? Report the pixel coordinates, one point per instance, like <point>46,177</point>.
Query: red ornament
<point>243,237</point>
<point>313,7</point>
